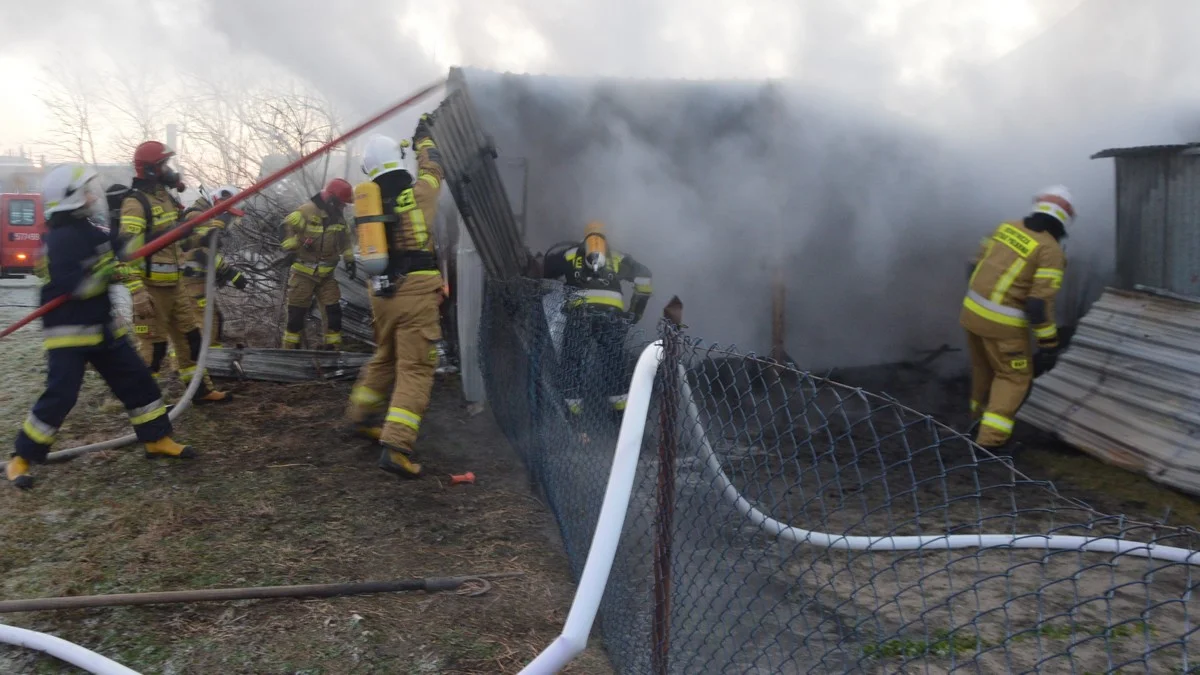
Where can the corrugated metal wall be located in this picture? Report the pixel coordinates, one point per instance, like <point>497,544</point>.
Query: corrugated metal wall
<point>470,312</point>
<point>469,157</point>
<point>1158,220</point>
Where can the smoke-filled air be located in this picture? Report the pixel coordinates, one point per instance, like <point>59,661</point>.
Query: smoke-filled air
<point>859,150</point>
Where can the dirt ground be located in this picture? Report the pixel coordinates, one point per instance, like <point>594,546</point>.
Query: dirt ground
<point>282,495</point>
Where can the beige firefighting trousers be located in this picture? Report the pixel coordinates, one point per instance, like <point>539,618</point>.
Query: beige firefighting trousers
<point>1001,372</point>
<point>195,291</point>
<point>162,312</point>
<point>407,328</point>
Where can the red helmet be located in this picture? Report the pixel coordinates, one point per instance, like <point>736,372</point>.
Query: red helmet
<point>148,157</point>
<point>339,190</point>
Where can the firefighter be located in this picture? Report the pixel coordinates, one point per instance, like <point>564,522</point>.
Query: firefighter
<point>195,259</point>
<point>1014,279</point>
<point>595,313</point>
<point>78,260</point>
<point>393,390</point>
<point>161,309</point>
<point>316,237</point>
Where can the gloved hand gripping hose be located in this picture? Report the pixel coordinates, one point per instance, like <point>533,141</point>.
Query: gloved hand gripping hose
<point>210,282</point>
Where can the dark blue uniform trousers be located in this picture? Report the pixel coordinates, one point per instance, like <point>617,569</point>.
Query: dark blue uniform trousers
<point>127,376</point>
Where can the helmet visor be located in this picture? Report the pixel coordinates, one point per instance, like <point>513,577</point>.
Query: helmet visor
<point>95,203</point>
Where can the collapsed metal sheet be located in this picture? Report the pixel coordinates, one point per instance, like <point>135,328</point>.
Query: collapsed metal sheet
<point>285,365</point>
<point>1127,390</point>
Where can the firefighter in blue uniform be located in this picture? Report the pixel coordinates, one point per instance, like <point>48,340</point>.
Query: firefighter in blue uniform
<point>596,314</point>
<point>77,259</point>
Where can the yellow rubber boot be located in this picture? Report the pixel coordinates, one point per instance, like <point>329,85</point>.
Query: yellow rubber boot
<point>18,473</point>
<point>167,447</point>
<point>212,396</point>
<point>367,431</point>
<point>397,461</point>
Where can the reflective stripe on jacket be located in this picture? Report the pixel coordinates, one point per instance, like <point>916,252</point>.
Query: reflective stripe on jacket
<point>1013,265</point>
<point>162,269</point>
<point>329,234</point>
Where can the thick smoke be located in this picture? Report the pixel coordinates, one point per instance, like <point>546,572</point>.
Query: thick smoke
<point>861,177</point>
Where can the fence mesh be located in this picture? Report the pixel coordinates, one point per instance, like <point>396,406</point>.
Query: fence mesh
<point>738,553</point>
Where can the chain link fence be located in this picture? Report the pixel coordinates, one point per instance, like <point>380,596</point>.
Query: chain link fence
<point>781,522</point>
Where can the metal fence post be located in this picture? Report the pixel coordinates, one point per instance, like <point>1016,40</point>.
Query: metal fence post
<point>667,451</point>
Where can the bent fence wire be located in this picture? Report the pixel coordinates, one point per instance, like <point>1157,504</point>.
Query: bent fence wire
<point>698,586</point>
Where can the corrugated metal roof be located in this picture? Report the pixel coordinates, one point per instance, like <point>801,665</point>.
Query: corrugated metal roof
<point>1127,390</point>
<point>1146,150</point>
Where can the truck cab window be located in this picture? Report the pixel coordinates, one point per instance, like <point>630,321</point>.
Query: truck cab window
<point>21,212</point>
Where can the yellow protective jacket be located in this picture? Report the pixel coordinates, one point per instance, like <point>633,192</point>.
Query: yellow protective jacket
<point>317,238</point>
<point>194,247</point>
<point>604,287</point>
<point>417,205</point>
<point>1014,265</point>
<point>139,227</point>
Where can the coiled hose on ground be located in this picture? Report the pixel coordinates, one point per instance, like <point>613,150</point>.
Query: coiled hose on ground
<point>57,647</point>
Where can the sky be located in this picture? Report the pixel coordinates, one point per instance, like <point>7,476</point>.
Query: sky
<point>365,52</point>
<point>913,128</point>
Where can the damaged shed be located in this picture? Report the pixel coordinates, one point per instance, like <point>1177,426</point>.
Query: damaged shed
<point>1127,390</point>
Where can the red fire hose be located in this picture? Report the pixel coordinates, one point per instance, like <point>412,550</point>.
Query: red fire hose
<point>181,231</point>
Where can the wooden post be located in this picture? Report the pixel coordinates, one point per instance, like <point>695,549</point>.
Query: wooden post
<point>667,452</point>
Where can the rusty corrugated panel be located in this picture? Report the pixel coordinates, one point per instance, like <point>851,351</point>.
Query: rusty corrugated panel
<point>1128,389</point>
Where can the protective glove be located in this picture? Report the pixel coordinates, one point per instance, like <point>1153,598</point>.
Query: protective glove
<point>351,269</point>
<point>1046,357</point>
<point>285,261</point>
<point>423,128</point>
<point>96,283</point>
<point>239,281</point>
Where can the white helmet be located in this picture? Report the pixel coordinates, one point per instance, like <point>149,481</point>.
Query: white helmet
<point>71,188</point>
<point>1055,201</point>
<point>224,192</point>
<point>382,155</point>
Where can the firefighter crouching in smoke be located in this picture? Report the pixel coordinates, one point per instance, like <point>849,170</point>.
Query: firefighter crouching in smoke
<point>595,314</point>
<point>316,236</point>
<point>393,214</point>
<point>196,257</point>
<point>78,260</point>
<point>1014,279</point>
<point>161,308</point>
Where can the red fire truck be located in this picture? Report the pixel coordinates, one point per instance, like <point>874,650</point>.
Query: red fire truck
<point>21,229</point>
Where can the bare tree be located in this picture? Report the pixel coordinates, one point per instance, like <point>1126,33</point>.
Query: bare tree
<point>68,97</point>
<point>134,108</point>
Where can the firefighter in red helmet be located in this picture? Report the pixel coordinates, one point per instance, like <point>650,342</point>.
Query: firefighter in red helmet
<point>315,236</point>
<point>161,308</point>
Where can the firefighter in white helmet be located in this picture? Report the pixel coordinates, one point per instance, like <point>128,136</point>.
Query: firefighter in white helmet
<point>1014,279</point>
<point>78,261</point>
<point>394,211</point>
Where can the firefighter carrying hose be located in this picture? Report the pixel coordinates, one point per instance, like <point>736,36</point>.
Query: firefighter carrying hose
<point>1014,280</point>
<point>78,260</point>
<point>596,313</point>
<point>161,309</point>
<point>196,253</point>
<point>316,237</point>
<point>396,251</point>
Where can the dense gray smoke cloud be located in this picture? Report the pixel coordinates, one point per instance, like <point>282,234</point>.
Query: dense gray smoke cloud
<point>871,213</point>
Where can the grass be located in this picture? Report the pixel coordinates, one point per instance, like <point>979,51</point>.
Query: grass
<point>281,494</point>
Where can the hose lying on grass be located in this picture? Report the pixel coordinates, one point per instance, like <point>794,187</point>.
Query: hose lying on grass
<point>428,585</point>
<point>184,401</point>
